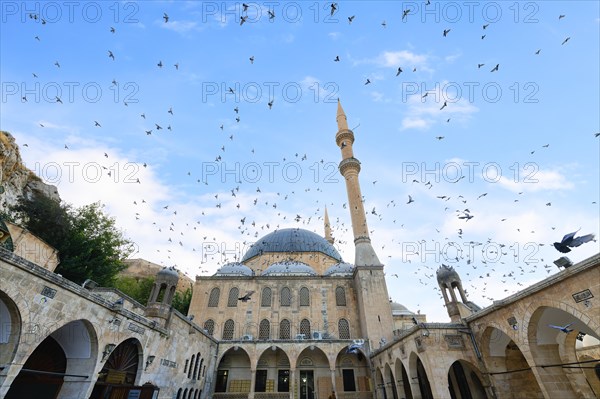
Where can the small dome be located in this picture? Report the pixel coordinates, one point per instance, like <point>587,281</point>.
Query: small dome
<point>168,273</point>
<point>447,274</point>
<point>292,240</point>
<point>289,268</point>
<point>234,269</point>
<point>340,269</point>
<point>399,309</point>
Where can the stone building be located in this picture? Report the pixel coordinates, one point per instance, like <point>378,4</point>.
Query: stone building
<point>292,319</point>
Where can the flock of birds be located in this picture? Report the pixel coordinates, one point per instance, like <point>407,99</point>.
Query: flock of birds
<point>246,202</point>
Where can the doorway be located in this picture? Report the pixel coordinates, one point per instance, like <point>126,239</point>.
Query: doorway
<point>307,384</point>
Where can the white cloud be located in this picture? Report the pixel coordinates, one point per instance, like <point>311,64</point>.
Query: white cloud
<point>437,106</point>
<point>180,26</point>
<point>529,179</point>
<point>394,59</point>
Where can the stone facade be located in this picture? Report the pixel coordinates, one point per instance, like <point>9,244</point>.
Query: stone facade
<point>37,304</point>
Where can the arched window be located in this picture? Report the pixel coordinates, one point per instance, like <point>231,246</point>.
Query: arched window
<point>266,299</point>
<point>196,367</point>
<point>344,329</point>
<point>284,329</point>
<point>209,326</point>
<point>304,297</point>
<point>340,296</point>
<point>234,294</point>
<point>213,299</point>
<point>191,366</point>
<point>286,297</point>
<point>179,393</point>
<point>228,330</point>
<point>200,368</point>
<point>185,394</point>
<point>264,330</point>
<point>305,328</point>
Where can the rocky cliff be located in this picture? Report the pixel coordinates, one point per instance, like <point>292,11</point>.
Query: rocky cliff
<point>15,179</point>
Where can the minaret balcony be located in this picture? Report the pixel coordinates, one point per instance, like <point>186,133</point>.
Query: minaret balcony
<point>349,164</point>
<point>344,135</point>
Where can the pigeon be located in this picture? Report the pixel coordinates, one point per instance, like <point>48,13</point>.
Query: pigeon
<point>564,328</point>
<point>246,297</point>
<point>353,349</point>
<point>569,240</point>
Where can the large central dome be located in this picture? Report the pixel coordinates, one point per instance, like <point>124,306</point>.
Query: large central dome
<point>292,240</point>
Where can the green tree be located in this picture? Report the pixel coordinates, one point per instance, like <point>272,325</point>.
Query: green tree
<point>90,245</point>
<point>181,301</point>
<point>136,288</point>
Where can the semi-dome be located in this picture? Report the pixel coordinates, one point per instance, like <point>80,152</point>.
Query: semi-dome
<point>399,309</point>
<point>292,240</point>
<point>340,269</point>
<point>234,269</point>
<point>289,268</point>
<point>447,274</point>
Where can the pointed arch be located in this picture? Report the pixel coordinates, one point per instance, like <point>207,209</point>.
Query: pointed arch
<point>213,298</point>
<point>232,299</point>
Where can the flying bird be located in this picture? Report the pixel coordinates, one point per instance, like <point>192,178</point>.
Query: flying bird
<point>564,328</point>
<point>399,71</point>
<point>446,31</point>
<point>495,68</point>
<point>353,349</point>
<point>333,7</point>
<point>570,241</point>
<point>410,200</point>
<point>251,60</point>
<point>350,19</point>
<point>405,13</point>
<point>111,55</point>
<point>337,58</point>
<point>367,82</point>
<point>165,17</point>
<point>246,297</point>
<point>566,40</point>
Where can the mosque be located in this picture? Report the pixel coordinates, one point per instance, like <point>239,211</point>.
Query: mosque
<point>293,320</point>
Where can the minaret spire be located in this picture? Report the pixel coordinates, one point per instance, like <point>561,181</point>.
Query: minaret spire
<point>328,236</point>
<point>341,117</point>
<point>349,168</point>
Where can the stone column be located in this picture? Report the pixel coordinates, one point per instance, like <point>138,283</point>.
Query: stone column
<point>333,380</point>
<point>292,382</point>
<point>252,383</point>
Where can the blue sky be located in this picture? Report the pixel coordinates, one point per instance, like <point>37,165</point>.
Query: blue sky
<point>522,136</point>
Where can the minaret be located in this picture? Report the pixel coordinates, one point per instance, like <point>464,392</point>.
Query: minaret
<point>375,312</point>
<point>349,168</point>
<point>328,236</point>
